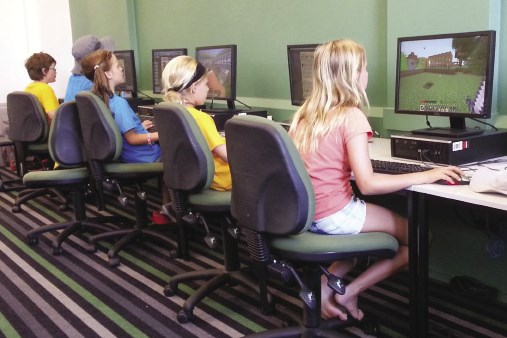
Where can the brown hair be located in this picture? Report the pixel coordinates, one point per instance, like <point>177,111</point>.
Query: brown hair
<point>36,63</point>
<point>94,66</point>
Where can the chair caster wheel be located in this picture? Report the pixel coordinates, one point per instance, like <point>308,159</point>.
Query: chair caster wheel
<point>114,262</point>
<point>16,208</point>
<point>57,250</point>
<point>169,290</point>
<point>91,248</point>
<point>183,317</point>
<point>32,240</point>
<point>369,326</point>
<point>173,254</point>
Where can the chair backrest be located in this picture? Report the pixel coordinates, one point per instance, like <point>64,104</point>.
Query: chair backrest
<point>24,109</point>
<point>101,136</point>
<point>271,190</point>
<point>188,162</point>
<point>65,143</point>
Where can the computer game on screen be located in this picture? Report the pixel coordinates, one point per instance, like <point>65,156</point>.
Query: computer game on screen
<point>445,74</point>
<point>220,62</point>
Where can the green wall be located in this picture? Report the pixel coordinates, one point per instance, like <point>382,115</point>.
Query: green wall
<point>262,29</point>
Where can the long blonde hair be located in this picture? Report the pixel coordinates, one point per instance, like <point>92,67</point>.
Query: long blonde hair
<point>336,69</point>
<point>178,75</point>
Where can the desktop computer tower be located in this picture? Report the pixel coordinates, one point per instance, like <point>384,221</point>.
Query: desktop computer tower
<point>453,151</point>
<point>220,116</point>
<point>135,102</point>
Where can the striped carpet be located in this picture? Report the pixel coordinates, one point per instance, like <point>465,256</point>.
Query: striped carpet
<point>78,295</point>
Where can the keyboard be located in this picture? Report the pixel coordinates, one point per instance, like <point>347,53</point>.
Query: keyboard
<point>389,167</point>
<point>148,117</point>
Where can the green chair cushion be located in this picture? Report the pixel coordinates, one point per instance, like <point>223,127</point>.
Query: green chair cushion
<point>211,200</point>
<point>309,247</point>
<point>134,169</point>
<point>50,178</point>
<point>38,148</point>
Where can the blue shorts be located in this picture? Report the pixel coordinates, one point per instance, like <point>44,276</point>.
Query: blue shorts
<point>349,220</point>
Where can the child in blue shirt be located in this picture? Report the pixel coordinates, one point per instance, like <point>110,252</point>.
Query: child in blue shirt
<point>139,145</point>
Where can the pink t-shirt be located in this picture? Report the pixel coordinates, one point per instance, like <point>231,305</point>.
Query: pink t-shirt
<point>329,167</point>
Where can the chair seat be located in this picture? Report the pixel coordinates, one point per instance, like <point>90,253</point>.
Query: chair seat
<point>211,200</point>
<point>137,170</point>
<point>51,178</point>
<point>38,148</point>
<point>311,247</point>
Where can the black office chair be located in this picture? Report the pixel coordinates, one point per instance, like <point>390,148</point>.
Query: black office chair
<point>29,130</point>
<point>103,145</point>
<point>65,148</point>
<point>273,203</point>
<point>188,173</point>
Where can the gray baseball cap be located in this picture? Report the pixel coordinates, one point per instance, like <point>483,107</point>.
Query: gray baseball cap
<point>87,44</point>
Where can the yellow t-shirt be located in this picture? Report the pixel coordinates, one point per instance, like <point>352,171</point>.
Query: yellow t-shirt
<point>222,180</point>
<point>45,94</point>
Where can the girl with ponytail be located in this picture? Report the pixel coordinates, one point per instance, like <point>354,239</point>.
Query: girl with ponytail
<point>139,145</point>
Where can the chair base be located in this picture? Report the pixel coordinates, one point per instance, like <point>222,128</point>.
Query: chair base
<point>127,236</point>
<point>69,229</point>
<point>28,194</point>
<point>217,278</point>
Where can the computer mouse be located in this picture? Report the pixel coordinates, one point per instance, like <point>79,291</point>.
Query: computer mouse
<point>464,181</point>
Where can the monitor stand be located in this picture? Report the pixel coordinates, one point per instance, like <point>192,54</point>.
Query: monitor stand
<point>457,130</point>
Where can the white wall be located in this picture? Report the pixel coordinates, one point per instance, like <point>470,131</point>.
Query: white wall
<point>31,26</point>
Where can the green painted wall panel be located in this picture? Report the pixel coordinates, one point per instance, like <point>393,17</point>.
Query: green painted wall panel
<point>262,29</point>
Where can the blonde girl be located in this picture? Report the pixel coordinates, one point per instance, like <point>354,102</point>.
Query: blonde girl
<point>331,133</point>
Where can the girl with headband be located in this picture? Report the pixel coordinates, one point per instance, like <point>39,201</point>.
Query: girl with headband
<point>185,81</point>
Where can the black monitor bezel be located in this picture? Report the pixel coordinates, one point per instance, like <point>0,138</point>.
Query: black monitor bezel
<point>123,87</point>
<point>490,34</point>
<point>297,99</point>
<point>182,51</point>
<point>233,48</point>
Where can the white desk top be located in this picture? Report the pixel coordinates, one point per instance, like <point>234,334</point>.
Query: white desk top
<point>380,149</point>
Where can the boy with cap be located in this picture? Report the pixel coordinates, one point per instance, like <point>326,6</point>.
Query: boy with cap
<point>82,47</point>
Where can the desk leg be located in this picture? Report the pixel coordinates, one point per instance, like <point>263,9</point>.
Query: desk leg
<point>418,233</point>
<point>423,280</point>
<point>413,249</point>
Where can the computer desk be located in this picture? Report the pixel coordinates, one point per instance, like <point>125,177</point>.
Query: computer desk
<point>417,195</point>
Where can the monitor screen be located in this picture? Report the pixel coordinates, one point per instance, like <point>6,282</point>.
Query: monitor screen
<point>159,58</point>
<point>220,62</point>
<point>127,61</point>
<point>446,75</point>
<point>300,71</point>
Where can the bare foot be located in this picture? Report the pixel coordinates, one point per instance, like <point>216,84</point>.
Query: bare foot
<point>349,304</point>
<point>328,306</point>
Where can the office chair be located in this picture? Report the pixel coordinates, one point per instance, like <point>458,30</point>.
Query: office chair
<point>65,148</point>
<point>273,203</point>
<point>188,173</point>
<point>103,145</point>
<point>29,130</point>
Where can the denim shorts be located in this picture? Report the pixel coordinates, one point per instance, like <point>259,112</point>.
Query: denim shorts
<point>349,220</point>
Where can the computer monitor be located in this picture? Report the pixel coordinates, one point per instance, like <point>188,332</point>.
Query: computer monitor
<point>126,60</point>
<point>300,71</point>
<point>160,58</point>
<point>220,62</point>
<point>446,75</point>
